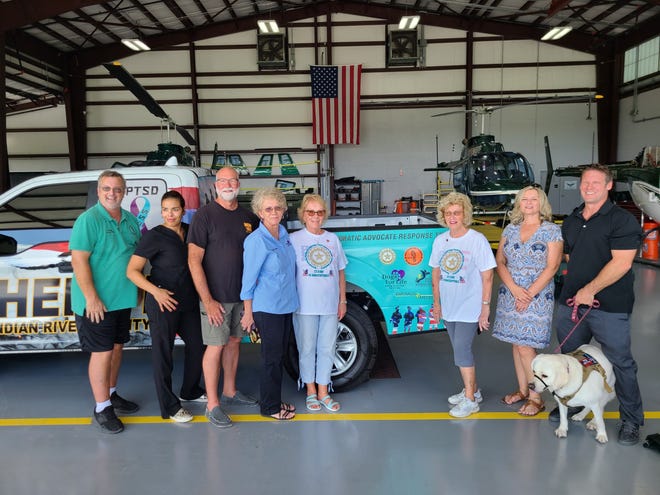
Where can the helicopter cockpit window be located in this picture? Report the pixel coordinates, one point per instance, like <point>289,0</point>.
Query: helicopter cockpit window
<point>519,168</point>
<point>482,170</point>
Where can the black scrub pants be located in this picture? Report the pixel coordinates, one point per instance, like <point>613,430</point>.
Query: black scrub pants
<point>163,326</point>
<point>275,331</point>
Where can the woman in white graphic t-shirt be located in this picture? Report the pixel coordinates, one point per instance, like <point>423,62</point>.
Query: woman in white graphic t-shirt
<point>462,263</point>
<point>321,284</point>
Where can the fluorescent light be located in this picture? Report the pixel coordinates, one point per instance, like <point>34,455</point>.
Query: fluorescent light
<point>556,32</point>
<point>269,26</point>
<point>136,45</point>
<point>409,22</point>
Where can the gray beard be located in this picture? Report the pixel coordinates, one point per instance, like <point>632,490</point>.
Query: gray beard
<point>229,196</point>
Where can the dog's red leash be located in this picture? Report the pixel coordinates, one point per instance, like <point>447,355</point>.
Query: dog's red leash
<point>574,318</point>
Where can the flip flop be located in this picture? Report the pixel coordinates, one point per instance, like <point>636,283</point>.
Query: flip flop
<point>283,415</point>
<point>330,404</point>
<point>518,396</point>
<point>288,407</point>
<point>313,403</point>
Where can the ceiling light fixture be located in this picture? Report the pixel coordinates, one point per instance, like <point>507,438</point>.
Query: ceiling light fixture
<point>556,32</point>
<point>136,45</point>
<point>409,22</point>
<point>268,26</point>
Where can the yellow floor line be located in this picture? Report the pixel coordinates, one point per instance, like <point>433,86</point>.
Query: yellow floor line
<point>256,418</point>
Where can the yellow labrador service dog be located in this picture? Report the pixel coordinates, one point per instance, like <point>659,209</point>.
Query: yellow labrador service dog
<point>581,378</point>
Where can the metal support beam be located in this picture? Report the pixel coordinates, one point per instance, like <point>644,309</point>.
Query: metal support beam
<point>556,6</point>
<point>608,78</point>
<point>469,68</point>
<point>195,102</point>
<point>14,15</point>
<point>75,106</point>
<point>4,155</point>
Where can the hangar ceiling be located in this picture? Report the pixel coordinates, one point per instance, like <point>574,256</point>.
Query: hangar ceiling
<point>45,39</point>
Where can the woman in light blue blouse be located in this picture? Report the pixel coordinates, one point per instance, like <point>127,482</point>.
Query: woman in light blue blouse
<point>269,295</point>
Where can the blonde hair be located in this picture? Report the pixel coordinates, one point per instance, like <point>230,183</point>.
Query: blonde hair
<point>267,193</point>
<point>455,198</point>
<point>545,210</point>
<point>311,198</point>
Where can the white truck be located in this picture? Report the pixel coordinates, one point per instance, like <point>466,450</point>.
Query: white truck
<point>388,278</point>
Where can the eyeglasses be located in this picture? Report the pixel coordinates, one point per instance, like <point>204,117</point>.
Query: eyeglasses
<point>233,182</point>
<point>318,213</point>
<point>116,190</point>
<point>454,213</point>
<point>275,209</point>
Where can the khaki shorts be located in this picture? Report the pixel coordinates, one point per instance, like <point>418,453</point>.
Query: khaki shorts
<point>231,325</point>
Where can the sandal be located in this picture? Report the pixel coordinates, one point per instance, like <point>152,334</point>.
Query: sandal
<point>532,406</point>
<point>330,404</point>
<point>283,415</point>
<point>288,407</point>
<point>514,398</point>
<point>313,403</point>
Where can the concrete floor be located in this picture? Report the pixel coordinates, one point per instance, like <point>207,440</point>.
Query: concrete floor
<point>393,436</point>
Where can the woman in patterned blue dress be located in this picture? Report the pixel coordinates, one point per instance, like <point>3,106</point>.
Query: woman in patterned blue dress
<point>528,257</point>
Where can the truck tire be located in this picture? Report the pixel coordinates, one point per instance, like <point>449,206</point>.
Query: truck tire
<point>355,351</point>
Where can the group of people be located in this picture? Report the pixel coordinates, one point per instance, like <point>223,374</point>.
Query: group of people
<point>210,282</point>
<point>599,241</point>
<point>240,269</point>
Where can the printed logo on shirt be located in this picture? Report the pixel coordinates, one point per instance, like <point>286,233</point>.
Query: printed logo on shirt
<point>248,227</point>
<point>451,263</point>
<point>318,256</point>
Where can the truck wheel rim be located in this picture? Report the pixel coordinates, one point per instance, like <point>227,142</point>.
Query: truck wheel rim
<point>346,350</point>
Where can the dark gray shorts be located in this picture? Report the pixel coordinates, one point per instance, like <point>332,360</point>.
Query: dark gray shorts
<point>461,335</point>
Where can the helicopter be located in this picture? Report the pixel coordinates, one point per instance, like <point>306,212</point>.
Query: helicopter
<point>485,172</point>
<point>167,152</point>
<point>643,171</point>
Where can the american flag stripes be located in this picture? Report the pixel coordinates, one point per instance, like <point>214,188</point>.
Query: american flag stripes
<point>336,104</point>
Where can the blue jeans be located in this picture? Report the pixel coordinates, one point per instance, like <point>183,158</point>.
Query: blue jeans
<point>316,336</point>
<point>612,332</point>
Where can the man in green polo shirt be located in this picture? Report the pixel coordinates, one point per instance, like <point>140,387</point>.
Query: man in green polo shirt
<point>102,241</point>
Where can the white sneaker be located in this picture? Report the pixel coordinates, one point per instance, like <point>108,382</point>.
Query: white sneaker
<point>201,398</point>
<point>182,416</point>
<point>464,408</point>
<point>457,398</point>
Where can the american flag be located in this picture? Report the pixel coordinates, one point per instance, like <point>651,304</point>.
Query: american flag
<point>336,104</point>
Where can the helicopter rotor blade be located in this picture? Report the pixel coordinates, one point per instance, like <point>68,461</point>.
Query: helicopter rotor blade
<point>453,113</point>
<point>554,99</point>
<point>483,110</point>
<point>185,135</point>
<point>130,83</point>
<point>136,88</point>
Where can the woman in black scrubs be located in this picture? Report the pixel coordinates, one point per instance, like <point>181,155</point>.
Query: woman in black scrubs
<point>172,306</point>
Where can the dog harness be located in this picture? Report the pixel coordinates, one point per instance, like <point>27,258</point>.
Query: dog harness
<point>589,364</point>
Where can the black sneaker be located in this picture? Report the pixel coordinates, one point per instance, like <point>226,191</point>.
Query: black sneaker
<point>107,421</point>
<point>553,417</point>
<point>123,406</point>
<point>628,433</point>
